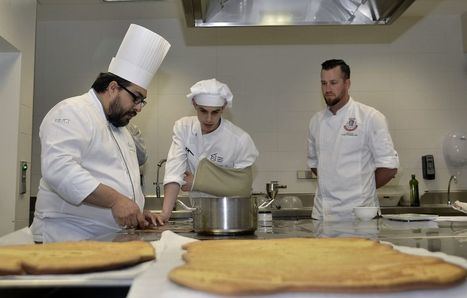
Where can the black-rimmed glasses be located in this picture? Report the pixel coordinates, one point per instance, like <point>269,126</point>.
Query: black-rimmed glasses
<point>136,99</point>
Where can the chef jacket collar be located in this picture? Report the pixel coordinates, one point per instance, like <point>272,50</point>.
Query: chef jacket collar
<point>98,104</point>
<point>216,131</point>
<point>342,110</point>
<point>196,130</point>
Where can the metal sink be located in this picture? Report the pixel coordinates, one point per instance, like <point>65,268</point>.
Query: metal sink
<point>433,202</point>
<point>441,197</point>
<point>154,204</point>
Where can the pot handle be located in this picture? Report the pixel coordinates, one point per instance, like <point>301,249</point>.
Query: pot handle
<point>185,206</point>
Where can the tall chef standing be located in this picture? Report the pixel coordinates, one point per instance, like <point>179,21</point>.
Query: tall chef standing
<point>207,135</point>
<point>349,148</point>
<point>90,183</point>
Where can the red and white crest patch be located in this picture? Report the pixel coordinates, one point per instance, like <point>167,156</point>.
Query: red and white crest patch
<point>351,125</point>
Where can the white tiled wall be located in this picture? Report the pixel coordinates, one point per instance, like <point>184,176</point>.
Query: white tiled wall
<point>417,79</point>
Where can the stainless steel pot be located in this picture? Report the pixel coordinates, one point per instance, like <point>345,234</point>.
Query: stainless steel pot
<point>224,215</point>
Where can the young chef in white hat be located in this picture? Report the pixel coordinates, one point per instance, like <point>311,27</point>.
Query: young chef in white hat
<point>90,183</point>
<point>207,135</point>
<point>349,147</point>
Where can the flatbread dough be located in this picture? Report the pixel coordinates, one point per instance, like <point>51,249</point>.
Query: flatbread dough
<point>72,257</point>
<point>238,267</point>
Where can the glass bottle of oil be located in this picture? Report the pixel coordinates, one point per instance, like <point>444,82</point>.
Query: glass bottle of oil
<point>414,198</point>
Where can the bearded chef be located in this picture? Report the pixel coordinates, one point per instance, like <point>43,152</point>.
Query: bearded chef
<point>349,148</point>
<point>90,183</point>
<point>205,136</point>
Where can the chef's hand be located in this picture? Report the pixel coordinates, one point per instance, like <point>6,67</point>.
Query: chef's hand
<point>127,213</point>
<point>162,218</point>
<point>151,218</point>
<point>188,178</point>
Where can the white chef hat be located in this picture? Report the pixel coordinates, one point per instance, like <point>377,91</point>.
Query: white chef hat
<point>139,56</point>
<point>211,93</point>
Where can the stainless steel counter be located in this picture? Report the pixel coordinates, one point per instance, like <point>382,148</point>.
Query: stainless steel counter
<point>449,237</point>
<point>431,203</point>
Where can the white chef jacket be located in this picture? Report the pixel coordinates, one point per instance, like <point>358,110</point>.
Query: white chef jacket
<point>228,146</point>
<point>81,149</point>
<point>346,148</point>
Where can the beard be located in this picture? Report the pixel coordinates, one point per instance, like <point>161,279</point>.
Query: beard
<point>117,115</point>
<point>332,101</point>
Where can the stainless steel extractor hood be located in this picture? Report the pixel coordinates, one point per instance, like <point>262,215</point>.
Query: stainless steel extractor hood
<point>226,13</point>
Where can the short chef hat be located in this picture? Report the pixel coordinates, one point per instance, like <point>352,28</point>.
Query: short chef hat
<point>211,93</point>
<point>139,56</point>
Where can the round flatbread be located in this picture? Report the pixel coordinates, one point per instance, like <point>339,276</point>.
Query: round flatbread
<point>239,267</point>
<point>72,257</point>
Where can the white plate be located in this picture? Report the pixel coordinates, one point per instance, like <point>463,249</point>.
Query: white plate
<point>410,217</point>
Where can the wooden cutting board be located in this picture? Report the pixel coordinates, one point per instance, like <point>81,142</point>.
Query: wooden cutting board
<point>241,267</point>
<point>72,257</point>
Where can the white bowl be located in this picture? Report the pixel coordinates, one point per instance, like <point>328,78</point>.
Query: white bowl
<point>365,213</point>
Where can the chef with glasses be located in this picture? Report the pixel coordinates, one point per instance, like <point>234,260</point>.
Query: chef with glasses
<point>90,183</point>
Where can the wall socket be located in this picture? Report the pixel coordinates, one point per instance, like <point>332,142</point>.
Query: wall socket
<point>305,175</point>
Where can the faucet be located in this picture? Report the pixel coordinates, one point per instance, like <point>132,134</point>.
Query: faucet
<point>272,188</point>
<point>449,188</point>
<point>157,183</point>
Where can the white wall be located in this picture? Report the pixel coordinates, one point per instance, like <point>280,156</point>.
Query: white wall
<point>413,71</point>
<point>9,90</point>
<point>17,40</point>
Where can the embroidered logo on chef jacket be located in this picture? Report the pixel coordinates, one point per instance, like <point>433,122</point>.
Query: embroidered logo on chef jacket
<point>350,127</point>
<point>215,158</point>
<point>62,120</point>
